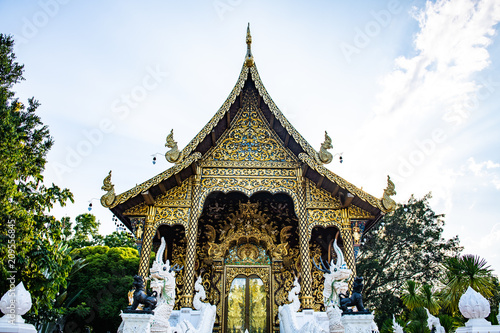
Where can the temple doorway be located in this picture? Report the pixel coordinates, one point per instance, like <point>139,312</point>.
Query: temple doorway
<point>247,301</point>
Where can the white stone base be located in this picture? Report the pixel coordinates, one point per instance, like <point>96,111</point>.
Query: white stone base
<point>479,329</point>
<point>357,323</point>
<point>178,316</point>
<point>310,316</point>
<point>136,322</point>
<point>17,327</point>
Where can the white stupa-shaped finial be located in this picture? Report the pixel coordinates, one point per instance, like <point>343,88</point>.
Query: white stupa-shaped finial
<point>474,307</point>
<point>15,303</point>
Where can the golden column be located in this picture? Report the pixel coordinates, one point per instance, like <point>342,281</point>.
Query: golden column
<point>307,299</point>
<point>148,235</point>
<point>192,234</point>
<point>346,234</point>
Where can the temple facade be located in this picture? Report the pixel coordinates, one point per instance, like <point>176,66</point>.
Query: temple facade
<point>248,206</point>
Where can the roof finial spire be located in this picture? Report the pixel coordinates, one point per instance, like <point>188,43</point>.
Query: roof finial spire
<point>249,57</point>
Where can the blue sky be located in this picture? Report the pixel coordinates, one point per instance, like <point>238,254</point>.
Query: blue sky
<point>405,88</point>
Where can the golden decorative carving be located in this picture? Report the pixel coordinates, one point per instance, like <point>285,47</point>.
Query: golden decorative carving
<point>387,201</point>
<point>356,233</point>
<point>324,217</point>
<point>262,272</point>
<point>240,172</point>
<point>172,215</point>
<point>108,198</point>
<point>342,182</point>
<point>250,138</point>
<point>318,279</point>
<point>358,213</point>
<point>179,196</point>
<point>249,225</point>
<point>156,179</point>
<point>319,198</point>
<point>173,155</point>
<point>249,164</point>
<point>324,156</point>
<point>139,210</point>
<point>268,184</point>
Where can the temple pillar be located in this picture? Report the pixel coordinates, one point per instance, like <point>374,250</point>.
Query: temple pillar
<point>192,234</point>
<point>346,234</point>
<point>307,299</point>
<point>149,233</point>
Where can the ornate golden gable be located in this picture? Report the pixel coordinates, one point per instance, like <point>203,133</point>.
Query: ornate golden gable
<point>250,139</point>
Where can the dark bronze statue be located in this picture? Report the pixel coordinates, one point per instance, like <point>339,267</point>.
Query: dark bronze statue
<point>355,300</point>
<point>141,297</point>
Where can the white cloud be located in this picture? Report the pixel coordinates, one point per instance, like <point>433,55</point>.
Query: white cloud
<point>485,170</point>
<point>491,238</point>
<point>451,47</point>
<point>432,91</point>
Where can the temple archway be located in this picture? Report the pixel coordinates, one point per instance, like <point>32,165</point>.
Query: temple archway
<point>247,239</point>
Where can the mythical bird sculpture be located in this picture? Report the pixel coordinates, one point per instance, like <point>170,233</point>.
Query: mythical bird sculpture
<point>108,198</point>
<point>387,201</point>
<point>324,156</point>
<point>173,155</point>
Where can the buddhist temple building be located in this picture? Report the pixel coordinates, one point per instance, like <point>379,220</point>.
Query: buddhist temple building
<point>248,205</point>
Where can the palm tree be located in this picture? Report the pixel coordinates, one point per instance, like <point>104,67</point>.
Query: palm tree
<point>411,297</point>
<point>418,321</point>
<point>428,299</point>
<point>463,272</point>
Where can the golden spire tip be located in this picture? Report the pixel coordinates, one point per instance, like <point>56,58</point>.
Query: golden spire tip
<point>249,57</point>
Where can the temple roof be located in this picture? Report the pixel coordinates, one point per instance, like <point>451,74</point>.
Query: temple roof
<point>305,155</point>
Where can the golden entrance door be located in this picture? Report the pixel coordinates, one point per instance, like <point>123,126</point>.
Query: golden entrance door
<point>247,299</point>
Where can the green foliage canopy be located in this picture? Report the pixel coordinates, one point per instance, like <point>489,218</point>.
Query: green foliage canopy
<point>104,284</point>
<point>406,245</point>
<point>37,252</point>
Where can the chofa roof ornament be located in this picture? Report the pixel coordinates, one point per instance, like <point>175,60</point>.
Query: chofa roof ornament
<point>387,201</point>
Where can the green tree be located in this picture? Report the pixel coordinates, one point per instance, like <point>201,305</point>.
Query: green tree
<point>31,242</point>
<point>406,245</point>
<point>104,283</point>
<point>463,272</point>
<point>86,231</point>
<point>119,239</point>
